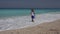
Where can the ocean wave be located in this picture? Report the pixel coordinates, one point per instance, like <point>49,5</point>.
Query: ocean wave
<point>23,21</point>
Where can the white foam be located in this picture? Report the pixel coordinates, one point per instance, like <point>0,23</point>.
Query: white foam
<point>24,21</point>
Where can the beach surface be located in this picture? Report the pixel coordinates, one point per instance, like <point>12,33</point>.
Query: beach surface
<point>20,22</point>
<point>47,23</point>
<point>44,28</point>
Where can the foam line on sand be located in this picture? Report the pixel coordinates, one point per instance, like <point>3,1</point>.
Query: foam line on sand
<point>25,21</point>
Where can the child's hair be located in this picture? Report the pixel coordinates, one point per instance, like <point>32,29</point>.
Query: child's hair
<point>32,10</point>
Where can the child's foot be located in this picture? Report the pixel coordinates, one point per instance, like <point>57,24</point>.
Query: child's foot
<point>32,21</point>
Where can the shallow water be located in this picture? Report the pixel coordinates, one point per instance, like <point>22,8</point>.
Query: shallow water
<point>20,18</point>
<point>24,21</point>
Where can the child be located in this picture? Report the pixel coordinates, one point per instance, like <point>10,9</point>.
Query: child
<point>32,15</point>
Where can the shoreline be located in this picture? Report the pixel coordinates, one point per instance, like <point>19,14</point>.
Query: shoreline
<point>18,23</point>
<point>53,27</point>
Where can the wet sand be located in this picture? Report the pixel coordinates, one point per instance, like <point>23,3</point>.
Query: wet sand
<point>44,28</point>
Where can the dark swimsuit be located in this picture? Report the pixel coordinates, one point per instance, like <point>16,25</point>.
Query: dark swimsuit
<point>32,17</point>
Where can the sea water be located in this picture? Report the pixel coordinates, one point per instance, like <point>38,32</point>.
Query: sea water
<point>24,12</point>
<point>18,18</point>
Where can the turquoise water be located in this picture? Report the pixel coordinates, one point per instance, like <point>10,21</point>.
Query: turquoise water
<point>11,18</point>
<point>23,12</point>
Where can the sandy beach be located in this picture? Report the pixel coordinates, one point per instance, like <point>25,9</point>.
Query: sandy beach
<point>44,24</point>
<point>19,22</point>
<point>44,28</point>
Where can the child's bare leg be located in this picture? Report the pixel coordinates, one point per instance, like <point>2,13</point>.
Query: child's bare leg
<point>32,20</point>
